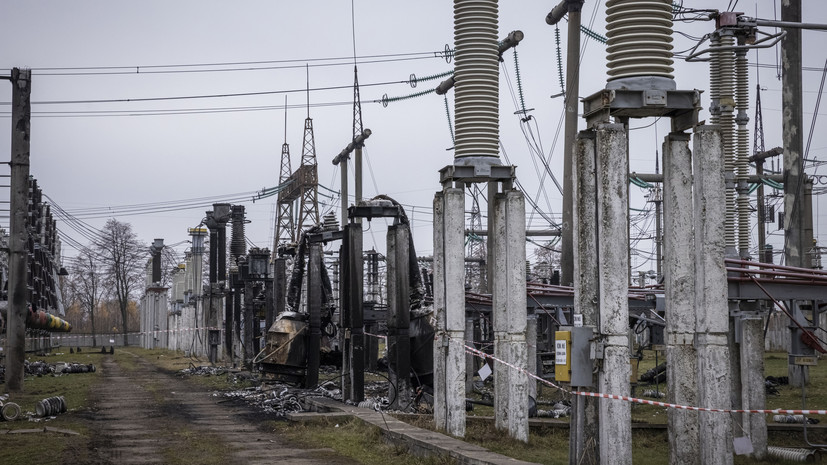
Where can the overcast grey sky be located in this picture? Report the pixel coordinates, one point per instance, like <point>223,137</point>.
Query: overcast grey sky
<point>93,155</point>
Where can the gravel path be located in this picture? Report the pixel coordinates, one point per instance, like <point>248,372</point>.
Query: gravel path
<point>142,415</point>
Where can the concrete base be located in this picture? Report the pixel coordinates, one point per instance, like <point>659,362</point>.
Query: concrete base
<point>615,435</point>
<point>683,424</point>
<point>714,390</point>
<point>752,374</point>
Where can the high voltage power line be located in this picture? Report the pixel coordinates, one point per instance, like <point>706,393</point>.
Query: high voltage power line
<point>205,96</point>
<point>229,66</point>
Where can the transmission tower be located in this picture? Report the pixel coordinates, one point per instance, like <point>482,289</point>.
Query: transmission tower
<point>285,228</point>
<point>357,105</point>
<point>475,271</point>
<point>308,177</point>
<point>758,133</point>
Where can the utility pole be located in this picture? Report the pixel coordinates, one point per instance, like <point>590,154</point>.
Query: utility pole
<point>793,139</point>
<point>357,130</point>
<point>21,80</point>
<point>572,7</point>
<point>795,245</point>
<point>585,412</point>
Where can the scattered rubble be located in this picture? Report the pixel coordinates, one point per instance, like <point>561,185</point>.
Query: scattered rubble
<point>9,411</point>
<point>794,419</point>
<point>771,384</point>
<point>558,410</point>
<point>51,406</point>
<point>654,394</point>
<point>277,400</point>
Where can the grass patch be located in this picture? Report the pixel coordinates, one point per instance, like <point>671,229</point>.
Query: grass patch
<point>51,448</point>
<point>352,439</point>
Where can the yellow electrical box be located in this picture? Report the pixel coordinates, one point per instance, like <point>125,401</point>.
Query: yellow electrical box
<point>562,356</point>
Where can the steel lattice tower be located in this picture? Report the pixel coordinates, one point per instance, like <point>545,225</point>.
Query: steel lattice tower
<point>309,178</point>
<point>357,105</point>
<point>285,227</point>
<point>758,133</point>
<point>475,272</point>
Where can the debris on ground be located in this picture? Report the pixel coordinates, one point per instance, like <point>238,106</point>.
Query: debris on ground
<point>558,410</point>
<point>51,406</point>
<point>771,384</point>
<point>794,419</point>
<point>278,400</point>
<point>654,394</point>
<point>656,375</point>
<point>9,411</point>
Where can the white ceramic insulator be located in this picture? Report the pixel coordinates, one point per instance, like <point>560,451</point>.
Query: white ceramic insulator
<point>793,455</point>
<point>640,38</point>
<point>476,72</point>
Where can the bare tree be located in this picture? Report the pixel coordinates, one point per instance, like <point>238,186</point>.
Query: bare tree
<point>123,257</point>
<point>87,286</point>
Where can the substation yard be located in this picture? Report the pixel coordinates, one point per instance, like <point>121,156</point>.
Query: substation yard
<point>158,406</point>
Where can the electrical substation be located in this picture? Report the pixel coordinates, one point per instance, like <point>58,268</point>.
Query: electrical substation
<point>315,311</point>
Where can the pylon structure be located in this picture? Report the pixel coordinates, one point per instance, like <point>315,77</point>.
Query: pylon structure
<point>758,133</point>
<point>308,178</point>
<point>357,105</point>
<point>285,228</point>
<point>475,272</point>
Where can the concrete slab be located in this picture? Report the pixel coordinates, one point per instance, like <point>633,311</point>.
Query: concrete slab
<point>419,441</point>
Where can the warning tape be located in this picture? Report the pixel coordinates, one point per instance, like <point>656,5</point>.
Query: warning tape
<point>483,355</point>
<point>636,400</point>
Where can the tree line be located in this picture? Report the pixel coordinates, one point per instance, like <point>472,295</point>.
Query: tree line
<point>105,280</point>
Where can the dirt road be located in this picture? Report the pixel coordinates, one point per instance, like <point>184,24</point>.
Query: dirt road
<point>143,415</point>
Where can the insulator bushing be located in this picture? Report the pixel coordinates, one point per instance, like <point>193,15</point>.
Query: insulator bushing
<point>476,71</point>
<point>639,38</point>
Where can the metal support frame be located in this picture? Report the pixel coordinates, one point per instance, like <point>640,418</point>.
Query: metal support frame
<point>681,106</point>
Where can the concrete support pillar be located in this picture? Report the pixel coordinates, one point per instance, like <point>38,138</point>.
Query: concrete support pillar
<point>752,375</point>
<point>399,314</point>
<point>509,314</point>
<point>449,308</point>
<point>679,286</point>
<point>612,169</point>
<point>584,436</point>
<point>712,314</point>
